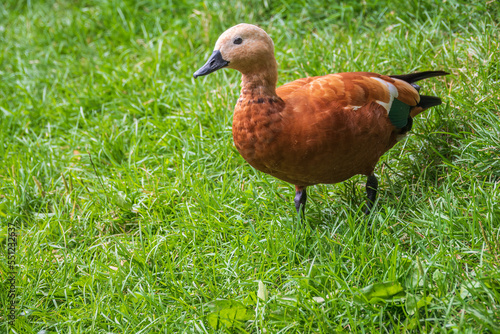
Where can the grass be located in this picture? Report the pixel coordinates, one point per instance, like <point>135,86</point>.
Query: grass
<point>136,214</point>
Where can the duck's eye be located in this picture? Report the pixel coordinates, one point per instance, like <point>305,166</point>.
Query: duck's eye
<point>238,40</point>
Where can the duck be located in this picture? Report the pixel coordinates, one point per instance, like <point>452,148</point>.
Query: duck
<point>319,129</point>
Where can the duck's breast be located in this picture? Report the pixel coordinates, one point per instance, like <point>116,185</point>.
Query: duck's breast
<point>257,127</point>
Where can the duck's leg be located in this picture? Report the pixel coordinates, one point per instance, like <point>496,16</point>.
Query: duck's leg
<point>371,192</point>
<point>300,199</point>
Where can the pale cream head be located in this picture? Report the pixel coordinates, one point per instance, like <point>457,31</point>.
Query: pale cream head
<point>250,50</point>
<point>246,47</point>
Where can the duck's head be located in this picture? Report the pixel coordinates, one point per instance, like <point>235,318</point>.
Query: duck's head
<point>244,47</point>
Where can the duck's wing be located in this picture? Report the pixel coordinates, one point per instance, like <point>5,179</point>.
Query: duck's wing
<point>288,88</point>
<point>351,91</point>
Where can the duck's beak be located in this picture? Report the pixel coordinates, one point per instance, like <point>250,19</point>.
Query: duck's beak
<point>214,63</point>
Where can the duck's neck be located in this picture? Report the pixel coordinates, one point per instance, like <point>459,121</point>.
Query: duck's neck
<point>261,82</point>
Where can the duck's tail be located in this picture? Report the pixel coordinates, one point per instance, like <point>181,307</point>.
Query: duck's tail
<point>414,77</point>
<point>425,101</point>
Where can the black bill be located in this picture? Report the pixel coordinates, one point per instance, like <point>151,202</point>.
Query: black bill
<point>214,63</point>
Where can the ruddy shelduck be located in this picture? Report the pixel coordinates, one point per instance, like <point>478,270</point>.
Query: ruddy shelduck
<point>322,129</point>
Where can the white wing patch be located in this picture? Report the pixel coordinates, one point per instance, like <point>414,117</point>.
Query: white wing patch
<point>352,108</point>
<point>393,93</point>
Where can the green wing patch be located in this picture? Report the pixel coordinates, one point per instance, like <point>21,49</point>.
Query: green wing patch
<point>399,113</point>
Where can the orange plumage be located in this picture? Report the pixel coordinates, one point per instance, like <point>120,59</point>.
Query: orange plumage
<point>313,130</point>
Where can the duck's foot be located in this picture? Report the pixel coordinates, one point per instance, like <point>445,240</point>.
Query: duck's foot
<point>300,199</point>
<point>371,192</point>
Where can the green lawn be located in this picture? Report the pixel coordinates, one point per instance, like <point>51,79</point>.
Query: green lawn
<point>136,214</point>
